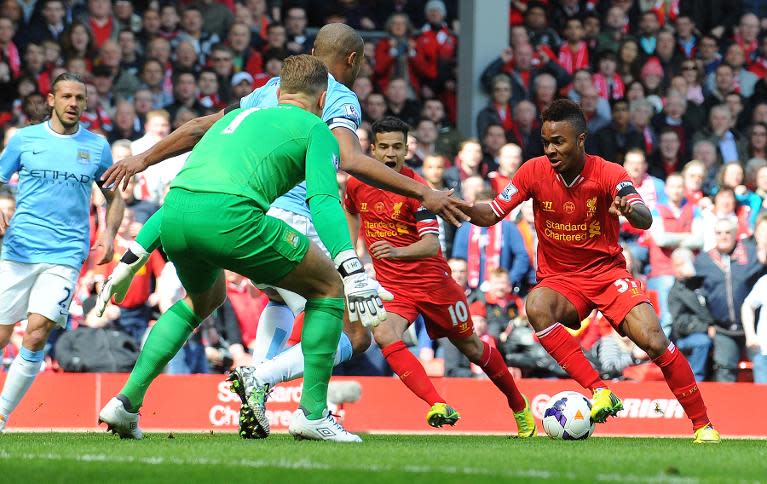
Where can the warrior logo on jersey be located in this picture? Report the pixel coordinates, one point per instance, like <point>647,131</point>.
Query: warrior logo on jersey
<point>569,207</point>
<point>591,206</point>
<point>508,192</point>
<point>336,161</point>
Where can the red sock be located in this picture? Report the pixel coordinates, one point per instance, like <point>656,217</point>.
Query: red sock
<point>411,372</point>
<point>681,381</point>
<point>494,366</point>
<point>565,349</point>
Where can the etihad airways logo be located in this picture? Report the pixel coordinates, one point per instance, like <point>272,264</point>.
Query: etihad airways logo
<point>57,176</point>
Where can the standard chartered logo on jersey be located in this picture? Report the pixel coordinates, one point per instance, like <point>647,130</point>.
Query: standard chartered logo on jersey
<point>572,232</point>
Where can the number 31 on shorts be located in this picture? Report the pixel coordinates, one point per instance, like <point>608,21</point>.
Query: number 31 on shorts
<point>625,284</point>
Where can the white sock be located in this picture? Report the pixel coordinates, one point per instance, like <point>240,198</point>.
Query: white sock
<point>273,331</point>
<point>295,302</point>
<point>289,364</point>
<point>21,374</point>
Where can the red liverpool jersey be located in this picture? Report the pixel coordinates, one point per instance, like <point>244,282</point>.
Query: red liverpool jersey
<point>401,221</point>
<point>576,234</point>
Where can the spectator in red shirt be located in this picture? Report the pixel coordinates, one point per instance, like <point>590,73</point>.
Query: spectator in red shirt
<point>395,55</point>
<point>436,46</point>
<point>208,92</point>
<point>246,58</point>
<point>100,21</point>
<point>574,53</point>
<point>498,110</point>
<point>747,35</point>
<point>9,52</point>
<point>169,22</point>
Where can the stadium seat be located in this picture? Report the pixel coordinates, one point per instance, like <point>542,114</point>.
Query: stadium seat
<point>745,371</point>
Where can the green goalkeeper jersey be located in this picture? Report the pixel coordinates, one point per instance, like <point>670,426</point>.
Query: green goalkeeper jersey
<point>261,154</point>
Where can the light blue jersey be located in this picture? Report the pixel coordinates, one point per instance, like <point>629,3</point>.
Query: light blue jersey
<point>56,175</point>
<point>342,109</point>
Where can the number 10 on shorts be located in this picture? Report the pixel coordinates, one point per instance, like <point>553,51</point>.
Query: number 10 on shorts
<point>458,313</point>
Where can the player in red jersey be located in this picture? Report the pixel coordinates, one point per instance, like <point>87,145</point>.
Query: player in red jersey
<point>403,239</point>
<point>577,199</point>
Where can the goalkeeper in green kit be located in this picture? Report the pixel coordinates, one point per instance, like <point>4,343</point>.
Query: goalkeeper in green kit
<point>215,218</point>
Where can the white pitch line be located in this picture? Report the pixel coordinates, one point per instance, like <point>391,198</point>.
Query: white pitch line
<point>304,464</point>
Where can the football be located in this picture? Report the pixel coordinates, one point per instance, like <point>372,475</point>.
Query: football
<point>568,417</point>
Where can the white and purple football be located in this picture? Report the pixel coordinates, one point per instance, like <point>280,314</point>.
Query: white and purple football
<point>568,417</point>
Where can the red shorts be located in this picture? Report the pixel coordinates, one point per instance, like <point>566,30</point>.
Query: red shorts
<point>444,309</point>
<point>613,292</point>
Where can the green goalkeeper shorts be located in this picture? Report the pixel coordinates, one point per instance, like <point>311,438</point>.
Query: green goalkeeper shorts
<point>203,233</point>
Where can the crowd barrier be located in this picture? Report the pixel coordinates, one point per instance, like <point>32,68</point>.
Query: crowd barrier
<point>204,403</point>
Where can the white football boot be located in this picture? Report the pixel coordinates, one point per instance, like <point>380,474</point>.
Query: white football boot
<point>120,421</point>
<point>326,428</point>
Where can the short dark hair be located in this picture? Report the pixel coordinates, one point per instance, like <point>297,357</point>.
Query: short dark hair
<point>667,130</point>
<point>492,125</point>
<point>181,72</point>
<point>67,76</point>
<point>566,110</point>
<point>390,124</point>
<point>615,101</point>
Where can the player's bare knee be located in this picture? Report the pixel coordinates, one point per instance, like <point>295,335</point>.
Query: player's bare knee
<point>538,314</point>
<point>4,339</point>
<point>35,339</point>
<point>656,342</point>
<point>472,348</point>
<point>385,335</point>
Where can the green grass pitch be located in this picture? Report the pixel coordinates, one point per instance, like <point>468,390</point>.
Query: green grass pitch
<point>224,458</point>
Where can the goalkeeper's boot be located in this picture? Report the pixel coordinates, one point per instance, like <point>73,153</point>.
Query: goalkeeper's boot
<point>525,421</point>
<point>707,435</point>
<point>254,424</point>
<point>119,420</point>
<point>326,428</point>
<point>442,414</point>
<point>604,404</point>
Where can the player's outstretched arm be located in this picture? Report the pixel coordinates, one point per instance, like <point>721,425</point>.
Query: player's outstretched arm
<point>482,214</point>
<point>179,141</point>
<point>375,173</point>
<point>115,209</point>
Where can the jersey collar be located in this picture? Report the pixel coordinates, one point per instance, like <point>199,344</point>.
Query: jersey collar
<point>588,167</point>
<point>59,135</point>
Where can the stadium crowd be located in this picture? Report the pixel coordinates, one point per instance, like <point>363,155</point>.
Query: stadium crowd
<point>674,90</point>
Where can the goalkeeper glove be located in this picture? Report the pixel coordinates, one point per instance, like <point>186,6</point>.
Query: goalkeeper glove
<point>363,295</point>
<point>119,281</point>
